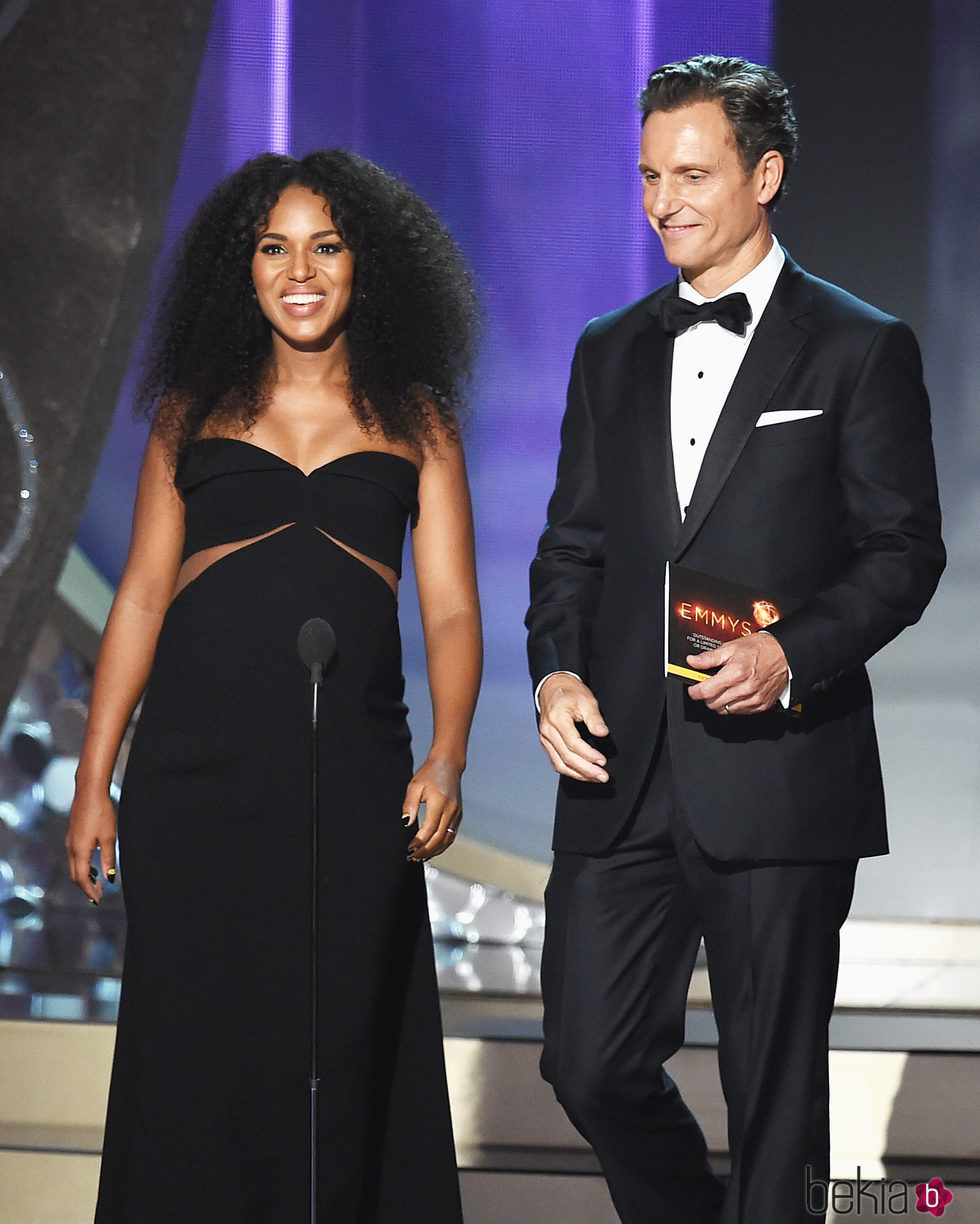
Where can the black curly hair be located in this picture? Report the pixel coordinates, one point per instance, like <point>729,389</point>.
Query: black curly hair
<point>411,329</point>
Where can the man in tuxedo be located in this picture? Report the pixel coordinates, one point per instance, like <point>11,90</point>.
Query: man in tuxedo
<point>754,423</point>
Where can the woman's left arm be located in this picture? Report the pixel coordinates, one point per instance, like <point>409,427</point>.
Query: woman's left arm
<point>445,570</point>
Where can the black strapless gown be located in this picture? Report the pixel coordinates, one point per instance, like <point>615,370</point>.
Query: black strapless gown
<point>208,1117</point>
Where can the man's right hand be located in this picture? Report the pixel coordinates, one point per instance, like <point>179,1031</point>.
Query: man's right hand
<point>565,701</point>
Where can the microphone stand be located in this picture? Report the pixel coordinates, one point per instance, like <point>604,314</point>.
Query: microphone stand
<point>316,645</point>
<point>316,678</point>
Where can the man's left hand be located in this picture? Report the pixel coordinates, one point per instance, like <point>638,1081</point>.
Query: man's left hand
<point>753,673</point>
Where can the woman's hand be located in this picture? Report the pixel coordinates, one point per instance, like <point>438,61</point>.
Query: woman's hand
<point>91,827</point>
<point>437,785</point>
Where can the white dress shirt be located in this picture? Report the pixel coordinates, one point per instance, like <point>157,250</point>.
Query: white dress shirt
<point>706,360</point>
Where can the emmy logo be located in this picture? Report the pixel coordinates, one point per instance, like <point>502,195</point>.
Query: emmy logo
<point>710,618</point>
<point>764,613</point>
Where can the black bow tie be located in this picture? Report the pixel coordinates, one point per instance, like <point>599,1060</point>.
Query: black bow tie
<point>732,312</point>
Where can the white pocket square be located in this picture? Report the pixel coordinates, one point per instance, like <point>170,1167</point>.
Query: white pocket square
<point>787,414</point>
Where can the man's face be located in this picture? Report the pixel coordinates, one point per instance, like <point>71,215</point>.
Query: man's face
<point>710,214</point>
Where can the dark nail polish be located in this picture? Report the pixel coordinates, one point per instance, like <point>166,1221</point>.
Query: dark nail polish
<point>93,900</point>
<point>110,875</point>
<point>93,875</point>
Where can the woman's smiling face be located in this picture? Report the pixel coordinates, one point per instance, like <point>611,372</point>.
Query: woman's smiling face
<point>303,271</point>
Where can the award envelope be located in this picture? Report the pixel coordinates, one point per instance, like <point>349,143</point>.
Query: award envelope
<point>703,611</point>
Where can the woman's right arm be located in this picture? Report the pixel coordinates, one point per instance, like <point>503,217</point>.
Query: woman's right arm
<point>125,656</point>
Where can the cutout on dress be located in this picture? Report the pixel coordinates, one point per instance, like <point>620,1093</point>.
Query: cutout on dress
<point>198,562</point>
<point>383,571</point>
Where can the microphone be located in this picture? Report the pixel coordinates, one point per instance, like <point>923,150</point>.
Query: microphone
<point>316,643</point>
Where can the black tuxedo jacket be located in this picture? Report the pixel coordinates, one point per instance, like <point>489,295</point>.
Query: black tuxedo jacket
<point>839,510</point>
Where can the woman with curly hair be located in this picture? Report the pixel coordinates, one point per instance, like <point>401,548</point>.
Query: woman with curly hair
<point>303,384</point>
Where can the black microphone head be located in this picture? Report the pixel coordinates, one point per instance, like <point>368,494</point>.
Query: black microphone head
<point>316,642</point>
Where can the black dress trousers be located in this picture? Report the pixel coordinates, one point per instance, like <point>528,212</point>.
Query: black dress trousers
<point>622,935</point>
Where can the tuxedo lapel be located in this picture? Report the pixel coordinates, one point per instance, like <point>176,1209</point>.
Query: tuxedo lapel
<point>774,347</point>
<point>649,371</point>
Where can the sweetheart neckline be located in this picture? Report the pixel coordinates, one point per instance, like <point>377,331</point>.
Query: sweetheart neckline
<point>295,466</point>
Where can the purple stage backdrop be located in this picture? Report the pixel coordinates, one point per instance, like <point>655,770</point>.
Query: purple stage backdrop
<point>516,120</point>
